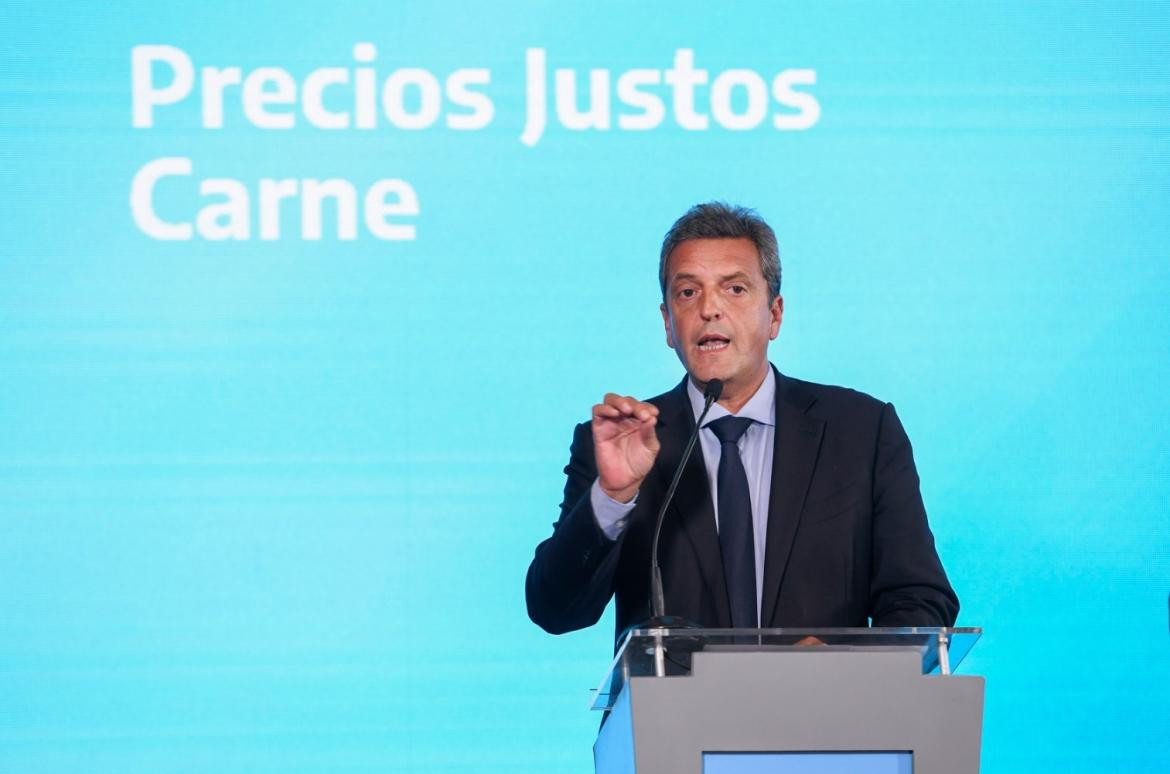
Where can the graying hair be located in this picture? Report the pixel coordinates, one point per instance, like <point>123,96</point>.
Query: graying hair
<point>719,220</point>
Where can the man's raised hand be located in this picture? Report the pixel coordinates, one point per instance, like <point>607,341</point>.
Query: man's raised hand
<point>624,444</point>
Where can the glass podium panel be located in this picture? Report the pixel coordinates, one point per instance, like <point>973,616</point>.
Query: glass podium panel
<point>667,652</point>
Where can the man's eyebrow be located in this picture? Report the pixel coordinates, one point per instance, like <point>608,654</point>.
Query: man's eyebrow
<point>741,276</point>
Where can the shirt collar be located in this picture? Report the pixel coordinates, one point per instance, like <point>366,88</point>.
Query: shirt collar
<point>761,407</point>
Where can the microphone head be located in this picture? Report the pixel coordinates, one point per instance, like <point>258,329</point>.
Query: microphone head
<point>713,390</point>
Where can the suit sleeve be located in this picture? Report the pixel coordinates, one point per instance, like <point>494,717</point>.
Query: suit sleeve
<point>571,578</point>
<point>908,586</point>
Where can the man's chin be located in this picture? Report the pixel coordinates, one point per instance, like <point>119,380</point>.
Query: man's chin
<point>704,368</point>
<point>700,378</point>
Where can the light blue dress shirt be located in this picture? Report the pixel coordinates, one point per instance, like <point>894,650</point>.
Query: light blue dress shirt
<point>756,446</point>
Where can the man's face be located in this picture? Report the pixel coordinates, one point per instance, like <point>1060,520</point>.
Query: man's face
<point>717,314</point>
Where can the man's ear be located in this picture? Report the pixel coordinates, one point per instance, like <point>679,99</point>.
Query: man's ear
<point>666,322</point>
<point>776,311</point>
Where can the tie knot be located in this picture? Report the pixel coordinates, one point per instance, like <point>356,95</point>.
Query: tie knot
<point>729,429</point>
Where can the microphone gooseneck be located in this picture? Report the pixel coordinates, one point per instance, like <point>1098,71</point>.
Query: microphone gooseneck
<point>711,394</point>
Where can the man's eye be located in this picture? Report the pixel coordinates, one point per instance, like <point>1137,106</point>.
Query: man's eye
<point>738,289</point>
<point>687,293</point>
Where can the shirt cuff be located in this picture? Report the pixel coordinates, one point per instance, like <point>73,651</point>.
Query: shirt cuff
<point>610,514</point>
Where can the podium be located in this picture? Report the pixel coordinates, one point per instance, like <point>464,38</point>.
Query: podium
<point>815,701</point>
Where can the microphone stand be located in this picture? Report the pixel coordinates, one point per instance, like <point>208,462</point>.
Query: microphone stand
<point>659,621</point>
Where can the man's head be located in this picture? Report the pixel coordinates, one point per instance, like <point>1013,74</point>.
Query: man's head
<point>717,220</point>
<point>720,276</point>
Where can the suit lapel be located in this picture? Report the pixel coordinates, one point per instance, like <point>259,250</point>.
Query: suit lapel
<point>794,457</point>
<point>692,506</point>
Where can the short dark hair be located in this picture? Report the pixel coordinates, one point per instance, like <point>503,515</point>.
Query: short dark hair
<point>719,220</point>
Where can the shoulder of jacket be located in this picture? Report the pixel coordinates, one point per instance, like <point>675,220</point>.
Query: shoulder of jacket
<point>834,398</point>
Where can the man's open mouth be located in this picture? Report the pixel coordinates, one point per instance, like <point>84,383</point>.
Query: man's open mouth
<point>713,342</point>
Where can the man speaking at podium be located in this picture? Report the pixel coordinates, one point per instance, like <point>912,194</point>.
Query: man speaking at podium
<point>800,505</point>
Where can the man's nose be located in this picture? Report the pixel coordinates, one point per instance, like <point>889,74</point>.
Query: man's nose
<point>710,308</point>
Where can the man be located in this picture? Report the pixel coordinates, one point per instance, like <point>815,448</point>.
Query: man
<point>800,506</point>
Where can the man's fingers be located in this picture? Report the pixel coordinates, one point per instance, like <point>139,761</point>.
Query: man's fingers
<point>627,406</point>
<point>615,423</point>
<point>649,437</point>
<point>622,403</point>
<point>606,410</point>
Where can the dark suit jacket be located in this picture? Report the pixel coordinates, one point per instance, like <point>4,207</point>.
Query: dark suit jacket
<point>848,540</point>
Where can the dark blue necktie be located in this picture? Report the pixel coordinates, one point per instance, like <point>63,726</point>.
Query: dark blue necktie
<point>736,539</point>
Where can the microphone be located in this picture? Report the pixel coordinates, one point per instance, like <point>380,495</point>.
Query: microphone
<point>657,600</point>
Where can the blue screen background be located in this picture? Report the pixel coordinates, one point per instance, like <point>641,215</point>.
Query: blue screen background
<point>268,506</point>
